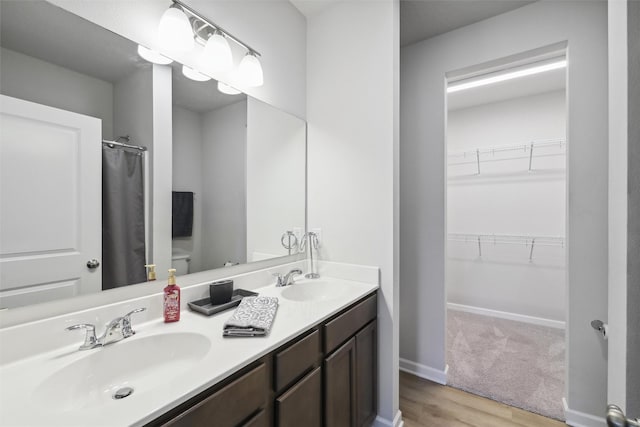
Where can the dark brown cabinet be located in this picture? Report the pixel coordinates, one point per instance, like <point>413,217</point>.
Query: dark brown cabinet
<point>301,405</point>
<point>366,374</point>
<point>231,406</point>
<point>327,376</point>
<point>340,386</point>
<point>351,381</point>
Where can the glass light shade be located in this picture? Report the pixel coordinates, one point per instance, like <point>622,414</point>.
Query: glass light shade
<point>216,55</point>
<point>251,71</point>
<point>174,31</point>
<point>194,75</point>
<point>226,89</point>
<point>153,56</point>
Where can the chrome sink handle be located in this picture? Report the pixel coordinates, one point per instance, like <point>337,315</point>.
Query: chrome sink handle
<point>279,279</point>
<point>127,330</point>
<point>90,340</point>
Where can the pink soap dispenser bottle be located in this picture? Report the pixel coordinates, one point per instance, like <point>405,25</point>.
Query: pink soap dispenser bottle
<point>172,299</point>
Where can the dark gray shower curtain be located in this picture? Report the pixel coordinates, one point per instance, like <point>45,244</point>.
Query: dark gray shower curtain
<point>123,235</point>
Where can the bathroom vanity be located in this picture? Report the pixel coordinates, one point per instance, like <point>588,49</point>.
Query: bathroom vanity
<point>324,376</point>
<point>317,366</point>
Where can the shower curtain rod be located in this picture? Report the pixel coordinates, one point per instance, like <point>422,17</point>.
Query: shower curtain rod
<point>122,144</point>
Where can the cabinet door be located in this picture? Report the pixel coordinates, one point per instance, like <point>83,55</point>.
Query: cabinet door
<point>340,386</point>
<point>366,374</point>
<point>301,405</point>
<point>261,419</point>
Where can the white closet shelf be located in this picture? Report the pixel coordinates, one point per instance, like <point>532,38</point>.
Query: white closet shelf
<point>507,239</point>
<point>506,152</point>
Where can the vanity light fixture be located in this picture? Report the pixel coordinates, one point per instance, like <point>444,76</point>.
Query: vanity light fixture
<point>174,30</point>
<point>216,55</point>
<point>250,70</point>
<point>228,90</point>
<point>509,75</point>
<point>153,56</point>
<point>194,75</point>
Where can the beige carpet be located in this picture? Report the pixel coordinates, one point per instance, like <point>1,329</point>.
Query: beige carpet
<point>516,363</point>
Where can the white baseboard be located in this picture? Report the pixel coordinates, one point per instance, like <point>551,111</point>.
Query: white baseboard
<point>427,372</point>
<point>506,315</point>
<point>383,422</point>
<point>580,419</point>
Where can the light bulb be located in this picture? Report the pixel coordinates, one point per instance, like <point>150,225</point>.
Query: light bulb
<point>174,31</point>
<point>153,56</point>
<point>226,89</point>
<point>251,71</point>
<point>216,55</point>
<point>194,75</point>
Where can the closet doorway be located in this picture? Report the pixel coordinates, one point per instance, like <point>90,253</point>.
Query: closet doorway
<point>506,192</point>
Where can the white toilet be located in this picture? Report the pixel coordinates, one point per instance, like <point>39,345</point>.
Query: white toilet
<point>180,260</point>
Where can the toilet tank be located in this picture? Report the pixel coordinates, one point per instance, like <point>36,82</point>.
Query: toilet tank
<point>180,260</point>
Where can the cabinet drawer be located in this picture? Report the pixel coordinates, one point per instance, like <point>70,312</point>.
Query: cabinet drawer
<point>231,405</point>
<point>301,405</point>
<point>347,324</point>
<point>293,362</point>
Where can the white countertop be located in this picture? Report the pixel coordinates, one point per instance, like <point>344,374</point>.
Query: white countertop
<point>22,404</point>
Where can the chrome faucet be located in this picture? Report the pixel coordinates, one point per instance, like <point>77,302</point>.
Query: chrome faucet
<point>287,279</point>
<point>116,330</point>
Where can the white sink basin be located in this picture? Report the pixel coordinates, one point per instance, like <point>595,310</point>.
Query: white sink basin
<point>140,363</point>
<point>313,290</point>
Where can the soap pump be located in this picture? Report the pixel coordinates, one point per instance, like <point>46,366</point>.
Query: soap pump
<point>151,272</point>
<point>171,299</point>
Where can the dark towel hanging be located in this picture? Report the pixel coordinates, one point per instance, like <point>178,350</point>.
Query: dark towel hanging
<point>182,214</point>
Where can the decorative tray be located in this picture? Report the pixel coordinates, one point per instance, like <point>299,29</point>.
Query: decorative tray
<point>204,305</point>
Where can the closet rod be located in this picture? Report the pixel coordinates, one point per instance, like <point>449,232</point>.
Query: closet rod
<point>122,144</point>
<point>502,148</point>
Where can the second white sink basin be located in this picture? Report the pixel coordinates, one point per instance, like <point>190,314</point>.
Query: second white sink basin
<point>313,290</point>
<point>139,363</point>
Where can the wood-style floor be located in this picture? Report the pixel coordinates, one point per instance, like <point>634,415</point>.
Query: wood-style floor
<point>424,403</point>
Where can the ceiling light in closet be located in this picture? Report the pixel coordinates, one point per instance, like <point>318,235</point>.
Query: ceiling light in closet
<point>226,89</point>
<point>194,75</point>
<point>174,31</point>
<point>504,76</point>
<point>153,56</point>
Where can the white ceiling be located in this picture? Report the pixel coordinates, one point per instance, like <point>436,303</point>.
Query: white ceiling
<point>199,97</point>
<point>46,32</point>
<point>423,19</point>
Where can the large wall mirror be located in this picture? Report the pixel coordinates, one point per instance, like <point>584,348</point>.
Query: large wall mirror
<point>77,178</point>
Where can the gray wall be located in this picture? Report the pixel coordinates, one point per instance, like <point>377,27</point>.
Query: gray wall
<point>633,211</point>
<point>187,176</point>
<point>224,133</point>
<point>422,178</point>
<point>352,111</point>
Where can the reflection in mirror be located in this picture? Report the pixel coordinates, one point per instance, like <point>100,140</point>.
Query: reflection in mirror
<point>62,95</point>
<point>237,177</point>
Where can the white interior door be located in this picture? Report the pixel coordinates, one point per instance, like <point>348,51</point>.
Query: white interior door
<point>50,198</point>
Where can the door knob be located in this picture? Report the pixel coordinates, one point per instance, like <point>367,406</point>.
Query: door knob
<point>601,327</point>
<point>92,264</point>
<point>616,418</point>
